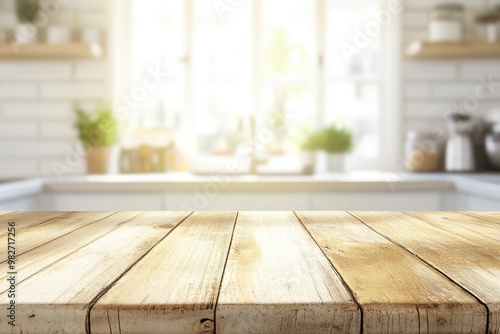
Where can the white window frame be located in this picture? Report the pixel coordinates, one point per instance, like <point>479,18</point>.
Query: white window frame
<point>390,91</point>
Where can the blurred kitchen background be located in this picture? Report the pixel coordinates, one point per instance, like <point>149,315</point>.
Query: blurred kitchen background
<point>193,104</point>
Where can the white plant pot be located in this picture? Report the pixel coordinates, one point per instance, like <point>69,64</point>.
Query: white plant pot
<point>308,162</point>
<point>335,162</point>
<point>26,33</point>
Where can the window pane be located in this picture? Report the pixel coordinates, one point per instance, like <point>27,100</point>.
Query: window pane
<point>158,43</point>
<point>352,90</point>
<point>223,72</point>
<point>288,69</point>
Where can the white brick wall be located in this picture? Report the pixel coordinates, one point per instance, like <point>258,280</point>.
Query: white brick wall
<point>37,97</point>
<point>16,91</point>
<point>62,91</point>
<point>11,71</point>
<point>432,87</point>
<point>417,91</point>
<point>10,129</point>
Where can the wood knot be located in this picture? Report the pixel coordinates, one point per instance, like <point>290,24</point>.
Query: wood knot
<point>204,326</point>
<point>165,226</point>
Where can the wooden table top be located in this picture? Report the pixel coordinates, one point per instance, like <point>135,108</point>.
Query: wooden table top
<point>252,272</point>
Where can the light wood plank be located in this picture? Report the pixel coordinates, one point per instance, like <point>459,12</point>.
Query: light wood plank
<point>3,213</point>
<point>58,298</point>
<point>473,228</point>
<point>174,288</point>
<point>397,292</point>
<point>32,218</point>
<point>36,259</point>
<point>491,216</point>
<point>35,235</point>
<point>473,265</point>
<point>277,280</point>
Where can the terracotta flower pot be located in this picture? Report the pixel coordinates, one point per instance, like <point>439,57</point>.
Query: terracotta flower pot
<point>101,160</point>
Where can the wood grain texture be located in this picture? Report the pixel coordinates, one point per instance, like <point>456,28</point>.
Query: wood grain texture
<point>34,235</point>
<point>472,265</point>
<point>174,288</point>
<point>26,219</point>
<point>491,216</point>
<point>161,272</point>
<point>397,292</point>
<point>278,281</point>
<point>36,259</point>
<point>3,213</point>
<point>479,231</point>
<point>58,298</point>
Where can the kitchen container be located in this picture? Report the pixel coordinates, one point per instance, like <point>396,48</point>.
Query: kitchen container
<point>492,145</point>
<point>488,25</point>
<point>26,33</point>
<point>57,34</point>
<point>91,36</point>
<point>146,151</point>
<point>421,152</point>
<point>460,156</point>
<point>447,23</point>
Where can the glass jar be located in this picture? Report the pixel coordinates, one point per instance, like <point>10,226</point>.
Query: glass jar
<point>487,25</point>
<point>447,23</point>
<point>421,152</point>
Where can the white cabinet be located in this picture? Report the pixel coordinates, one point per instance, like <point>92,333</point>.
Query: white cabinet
<point>252,201</point>
<point>27,203</point>
<point>376,201</point>
<point>470,202</point>
<point>102,201</point>
<point>477,203</point>
<point>321,201</point>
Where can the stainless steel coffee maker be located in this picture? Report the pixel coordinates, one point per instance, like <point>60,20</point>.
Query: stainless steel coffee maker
<point>459,148</point>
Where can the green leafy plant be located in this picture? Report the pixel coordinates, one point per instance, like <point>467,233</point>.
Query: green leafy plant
<point>27,9</point>
<point>330,140</point>
<point>311,143</point>
<point>97,129</point>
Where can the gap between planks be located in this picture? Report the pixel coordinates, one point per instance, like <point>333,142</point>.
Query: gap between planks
<point>27,264</point>
<point>224,271</point>
<point>346,242</point>
<point>106,289</point>
<point>420,218</point>
<point>348,288</point>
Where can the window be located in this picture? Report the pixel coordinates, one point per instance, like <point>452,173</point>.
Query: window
<point>256,62</point>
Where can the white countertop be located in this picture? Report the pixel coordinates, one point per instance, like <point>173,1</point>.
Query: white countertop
<point>16,189</point>
<point>367,181</point>
<point>479,184</point>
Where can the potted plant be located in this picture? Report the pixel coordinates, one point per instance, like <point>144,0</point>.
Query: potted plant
<point>488,22</point>
<point>335,142</point>
<point>27,10</point>
<point>98,134</point>
<point>309,147</point>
